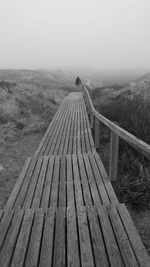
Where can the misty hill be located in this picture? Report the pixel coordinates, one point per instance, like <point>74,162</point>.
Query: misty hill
<point>139,86</point>
<point>101,78</point>
<point>145,77</point>
<point>52,79</point>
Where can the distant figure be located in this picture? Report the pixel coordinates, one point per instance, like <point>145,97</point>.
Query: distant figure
<point>77,81</point>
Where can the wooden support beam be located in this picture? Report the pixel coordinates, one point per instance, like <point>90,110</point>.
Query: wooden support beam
<point>96,132</point>
<point>114,144</point>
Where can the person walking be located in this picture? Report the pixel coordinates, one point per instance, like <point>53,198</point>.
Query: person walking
<point>77,81</point>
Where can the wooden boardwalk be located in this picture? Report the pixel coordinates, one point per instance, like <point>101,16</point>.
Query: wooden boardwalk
<point>63,210</point>
<point>69,131</point>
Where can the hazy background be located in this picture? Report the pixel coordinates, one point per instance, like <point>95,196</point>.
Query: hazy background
<point>102,34</point>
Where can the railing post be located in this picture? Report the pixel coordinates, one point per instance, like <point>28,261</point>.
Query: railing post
<point>96,132</point>
<point>86,101</point>
<point>91,119</point>
<point>88,108</point>
<point>113,165</point>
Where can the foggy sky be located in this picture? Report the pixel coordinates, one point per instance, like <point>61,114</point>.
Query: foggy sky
<point>102,34</point>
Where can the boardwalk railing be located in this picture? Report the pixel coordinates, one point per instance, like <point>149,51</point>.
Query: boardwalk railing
<point>116,132</point>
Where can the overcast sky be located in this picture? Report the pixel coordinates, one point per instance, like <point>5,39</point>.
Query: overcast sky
<point>102,34</point>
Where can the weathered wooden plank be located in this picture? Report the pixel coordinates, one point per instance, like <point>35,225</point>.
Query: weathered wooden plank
<point>75,133</point>
<point>122,238</point>
<point>84,239</point>
<point>78,119</point>
<point>53,130</point>
<point>93,187</point>
<point>47,184</point>
<point>59,243</point>
<point>49,132</point>
<point>25,184</point>
<point>65,150</point>
<point>99,181</point>
<point>136,243</point>
<point>47,240</point>
<point>83,144</point>
<point>32,256</point>
<point>77,182</point>
<point>51,140</point>
<point>79,145</point>
<point>40,184</point>
<point>61,134</point>
<point>27,198</point>
<point>81,120</point>
<point>56,141</point>
<point>73,118</point>
<point>100,253</point>
<point>70,184</point>
<point>83,176</point>
<point>55,183</point>
<point>74,145</point>
<point>70,145</point>
<point>110,241</point>
<point>62,184</point>
<point>4,226</point>
<point>66,145</point>
<point>65,134</point>
<point>72,239</point>
<point>10,240</point>
<point>23,239</point>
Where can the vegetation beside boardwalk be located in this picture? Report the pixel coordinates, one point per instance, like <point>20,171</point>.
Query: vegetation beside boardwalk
<point>133,114</point>
<point>28,101</point>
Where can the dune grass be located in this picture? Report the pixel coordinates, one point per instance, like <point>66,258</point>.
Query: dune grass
<point>133,114</point>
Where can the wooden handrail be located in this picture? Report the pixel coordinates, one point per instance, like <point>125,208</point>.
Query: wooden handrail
<point>116,131</point>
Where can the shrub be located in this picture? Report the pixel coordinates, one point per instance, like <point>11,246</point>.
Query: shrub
<point>8,110</point>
